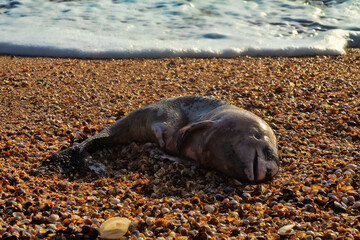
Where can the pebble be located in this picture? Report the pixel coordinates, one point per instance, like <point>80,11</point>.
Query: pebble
<point>228,190</point>
<point>356,205</point>
<point>339,207</point>
<point>150,221</point>
<point>246,195</point>
<point>314,118</point>
<point>351,166</point>
<point>183,231</point>
<point>351,199</point>
<point>234,203</point>
<point>311,233</point>
<point>345,200</point>
<point>209,208</point>
<point>249,220</point>
<point>115,201</point>
<point>236,232</point>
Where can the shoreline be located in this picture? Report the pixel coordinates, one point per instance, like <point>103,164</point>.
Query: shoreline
<point>311,103</point>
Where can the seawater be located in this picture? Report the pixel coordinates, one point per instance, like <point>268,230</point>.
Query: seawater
<point>188,28</point>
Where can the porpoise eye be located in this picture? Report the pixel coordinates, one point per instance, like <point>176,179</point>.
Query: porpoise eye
<point>257,136</point>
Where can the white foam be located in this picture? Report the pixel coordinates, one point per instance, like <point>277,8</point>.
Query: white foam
<point>332,43</point>
<point>153,29</point>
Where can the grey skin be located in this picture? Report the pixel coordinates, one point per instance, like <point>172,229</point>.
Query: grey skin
<point>209,131</point>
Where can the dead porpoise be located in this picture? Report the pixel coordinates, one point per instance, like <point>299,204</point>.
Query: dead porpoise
<point>212,132</point>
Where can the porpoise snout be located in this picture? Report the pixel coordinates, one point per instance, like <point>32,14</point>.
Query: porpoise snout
<point>263,165</point>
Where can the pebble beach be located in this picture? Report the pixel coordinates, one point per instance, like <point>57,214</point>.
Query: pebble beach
<point>48,104</point>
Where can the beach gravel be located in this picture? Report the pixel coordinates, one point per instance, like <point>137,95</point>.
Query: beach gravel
<point>48,104</point>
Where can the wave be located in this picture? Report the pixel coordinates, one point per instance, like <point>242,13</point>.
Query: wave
<point>329,43</point>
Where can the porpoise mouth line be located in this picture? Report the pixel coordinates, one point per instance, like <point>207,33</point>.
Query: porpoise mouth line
<point>256,166</point>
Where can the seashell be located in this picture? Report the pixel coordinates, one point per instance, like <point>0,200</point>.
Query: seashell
<point>286,230</point>
<point>114,228</point>
<point>53,218</point>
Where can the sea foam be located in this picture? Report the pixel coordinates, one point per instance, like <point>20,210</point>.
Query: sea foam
<point>154,29</point>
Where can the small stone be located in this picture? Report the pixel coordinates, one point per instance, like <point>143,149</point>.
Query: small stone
<point>356,205</point>
<point>322,192</point>
<point>349,172</point>
<point>351,199</point>
<point>228,190</point>
<point>249,220</point>
<point>79,236</point>
<point>339,207</point>
<point>8,236</point>
<point>345,200</point>
<point>115,201</point>
<point>26,235</point>
<point>309,237</point>
<point>113,191</point>
<point>114,228</point>
<point>235,232</point>
<point>351,166</point>
<point>18,215</point>
<point>219,197</point>
<point>90,232</point>
<point>26,221</point>
<point>308,208</point>
<point>209,208</point>
<point>246,195</point>
<point>149,234</point>
<point>329,234</point>
<point>171,235</point>
<point>136,233</point>
<point>183,231</point>
<point>150,221</point>
<point>202,236</point>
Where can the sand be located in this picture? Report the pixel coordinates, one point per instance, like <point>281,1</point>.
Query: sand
<point>312,103</point>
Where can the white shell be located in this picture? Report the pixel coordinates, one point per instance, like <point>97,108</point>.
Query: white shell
<point>114,228</point>
<point>286,230</point>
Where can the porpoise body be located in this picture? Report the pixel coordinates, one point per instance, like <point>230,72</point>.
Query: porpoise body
<point>212,132</point>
